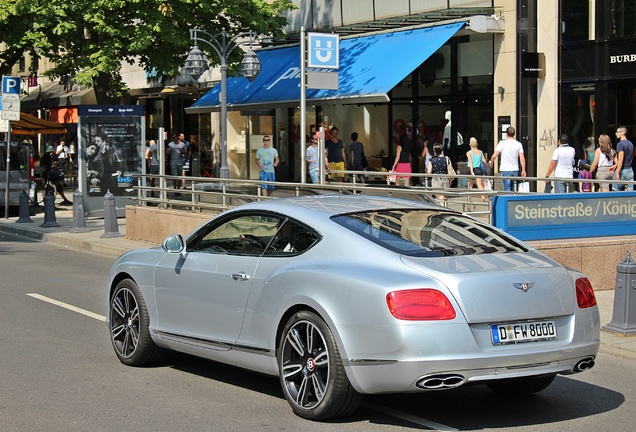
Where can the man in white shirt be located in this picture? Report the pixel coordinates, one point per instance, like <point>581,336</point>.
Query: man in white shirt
<point>562,164</point>
<point>512,157</point>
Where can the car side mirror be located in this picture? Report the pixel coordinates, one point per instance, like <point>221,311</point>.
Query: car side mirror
<point>175,244</point>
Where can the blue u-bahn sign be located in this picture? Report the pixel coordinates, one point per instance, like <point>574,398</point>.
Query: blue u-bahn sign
<point>560,216</point>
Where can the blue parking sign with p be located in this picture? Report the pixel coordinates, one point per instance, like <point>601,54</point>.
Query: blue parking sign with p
<point>11,85</point>
<point>323,50</point>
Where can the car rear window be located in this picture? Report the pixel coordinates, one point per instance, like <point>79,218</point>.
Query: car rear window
<point>434,233</point>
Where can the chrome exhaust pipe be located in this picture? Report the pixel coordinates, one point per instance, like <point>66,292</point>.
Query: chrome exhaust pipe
<point>440,382</point>
<point>584,365</point>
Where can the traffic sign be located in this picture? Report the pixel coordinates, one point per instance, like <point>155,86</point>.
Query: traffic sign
<point>11,86</point>
<point>324,50</point>
<point>10,98</point>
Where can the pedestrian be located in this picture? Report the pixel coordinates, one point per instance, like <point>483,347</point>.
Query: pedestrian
<point>356,156</point>
<point>53,176</point>
<point>402,162</point>
<point>624,158</point>
<point>512,158</point>
<point>439,165</point>
<point>61,152</point>
<point>336,153</point>
<point>72,149</point>
<point>604,162</point>
<point>176,150</point>
<point>153,160</point>
<point>476,163</point>
<point>267,160</point>
<point>187,153</point>
<point>312,155</point>
<point>562,164</point>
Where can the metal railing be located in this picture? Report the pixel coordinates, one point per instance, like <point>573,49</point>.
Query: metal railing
<point>205,194</point>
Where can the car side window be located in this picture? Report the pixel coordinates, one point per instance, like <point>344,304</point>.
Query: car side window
<point>247,234</point>
<point>291,239</point>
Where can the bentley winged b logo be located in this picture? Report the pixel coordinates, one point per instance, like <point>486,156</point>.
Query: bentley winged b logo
<point>523,286</point>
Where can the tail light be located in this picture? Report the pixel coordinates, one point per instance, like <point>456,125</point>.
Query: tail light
<point>585,297</point>
<point>420,305</point>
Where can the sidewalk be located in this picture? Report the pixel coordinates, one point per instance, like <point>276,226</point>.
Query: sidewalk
<point>91,241</point>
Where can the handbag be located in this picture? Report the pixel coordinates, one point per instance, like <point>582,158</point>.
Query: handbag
<point>365,163</point>
<point>450,170</point>
<point>485,168</point>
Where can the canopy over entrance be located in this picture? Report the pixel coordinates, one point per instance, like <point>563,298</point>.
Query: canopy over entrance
<point>370,66</point>
<point>30,125</point>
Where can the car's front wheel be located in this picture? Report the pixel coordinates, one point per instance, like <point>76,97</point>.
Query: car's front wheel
<point>311,371</point>
<point>129,333</point>
<point>521,386</point>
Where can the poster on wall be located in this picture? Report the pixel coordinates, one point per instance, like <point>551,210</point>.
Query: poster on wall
<point>111,138</point>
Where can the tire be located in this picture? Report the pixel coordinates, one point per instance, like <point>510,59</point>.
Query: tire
<point>311,372</point>
<point>521,386</point>
<point>129,333</point>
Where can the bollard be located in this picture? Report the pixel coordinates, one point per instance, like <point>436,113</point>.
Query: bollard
<point>49,210</point>
<point>79,221</point>
<point>624,313</point>
<point>25,211</point>
<point>110,217</point>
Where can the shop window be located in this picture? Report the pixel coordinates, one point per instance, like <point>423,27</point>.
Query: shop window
<point>622,18</point>
<point>577,20</point>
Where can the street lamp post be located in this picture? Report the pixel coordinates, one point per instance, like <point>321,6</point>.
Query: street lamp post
<point>196,64</point>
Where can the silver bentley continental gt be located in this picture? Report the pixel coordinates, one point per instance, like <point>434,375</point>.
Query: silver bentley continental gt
<point>341,296</point>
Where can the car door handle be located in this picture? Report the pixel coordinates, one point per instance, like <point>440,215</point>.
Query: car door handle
<point>241,277</point>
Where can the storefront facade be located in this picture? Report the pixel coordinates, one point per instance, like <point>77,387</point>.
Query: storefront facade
<point>598,69</point>
<point>439,79</point>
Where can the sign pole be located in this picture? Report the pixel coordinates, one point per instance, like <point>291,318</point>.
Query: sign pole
<point>7,182</point>
<point>303,107</point>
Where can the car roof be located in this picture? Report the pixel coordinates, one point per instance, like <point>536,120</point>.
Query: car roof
<point>311,206</point>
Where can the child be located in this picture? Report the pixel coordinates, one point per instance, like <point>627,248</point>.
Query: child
<point>584,174</point>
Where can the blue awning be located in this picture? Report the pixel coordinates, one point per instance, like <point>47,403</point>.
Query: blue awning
<point>370,66</point>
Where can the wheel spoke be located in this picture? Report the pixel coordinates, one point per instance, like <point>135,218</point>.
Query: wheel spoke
<point>310,337</point>
<point>125,349</point>
<point>296,342</point>
<point>118,307</point>
<point>301,397</point>
<point>291,370</point>
<point>319,385</point>
<point>322,359</point>
<point>117,331</point>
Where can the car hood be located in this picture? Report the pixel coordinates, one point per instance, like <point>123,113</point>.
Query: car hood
<point>503,287</point>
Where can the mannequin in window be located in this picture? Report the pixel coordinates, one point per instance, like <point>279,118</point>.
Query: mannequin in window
<point>447,133</point>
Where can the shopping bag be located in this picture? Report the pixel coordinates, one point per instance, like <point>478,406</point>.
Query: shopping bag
<point>487,184</point>
<point>523,187</point>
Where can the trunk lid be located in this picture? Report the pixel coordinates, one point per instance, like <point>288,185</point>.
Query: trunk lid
<point>503,286</point>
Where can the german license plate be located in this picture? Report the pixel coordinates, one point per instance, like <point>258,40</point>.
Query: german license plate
<point>522,332</point>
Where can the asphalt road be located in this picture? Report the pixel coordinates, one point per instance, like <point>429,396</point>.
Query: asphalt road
<point>58,373</point>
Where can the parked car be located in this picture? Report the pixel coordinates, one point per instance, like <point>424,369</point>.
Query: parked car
<point>341,296</point>
<point>21,173</point>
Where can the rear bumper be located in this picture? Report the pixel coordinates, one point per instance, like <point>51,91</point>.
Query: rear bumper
<point>370,377</point>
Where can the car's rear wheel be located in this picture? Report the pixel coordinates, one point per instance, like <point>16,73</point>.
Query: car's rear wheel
<point>311,372</point>
<point>521,386</point>
<point>129,331</point>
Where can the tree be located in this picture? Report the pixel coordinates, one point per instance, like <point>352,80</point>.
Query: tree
<point>88,40</point>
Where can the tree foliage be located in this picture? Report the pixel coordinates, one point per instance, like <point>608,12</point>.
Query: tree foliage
<point>89,39</point>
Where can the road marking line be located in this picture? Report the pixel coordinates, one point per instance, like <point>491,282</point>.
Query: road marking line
<point>409,417</point>
<point>68,306</point>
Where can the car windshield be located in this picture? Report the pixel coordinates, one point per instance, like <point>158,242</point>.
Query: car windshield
<point>428,233</point>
